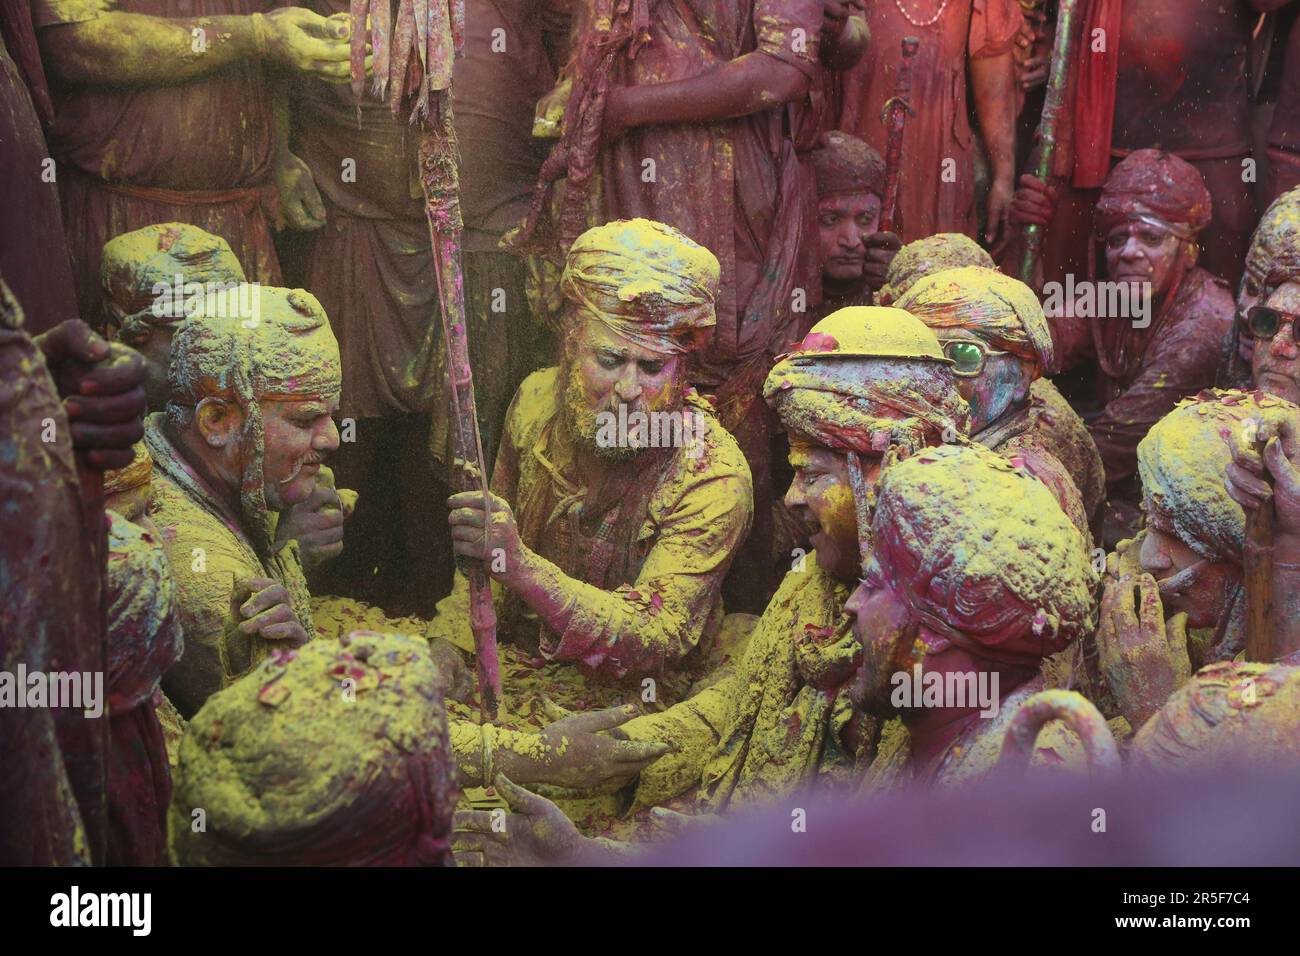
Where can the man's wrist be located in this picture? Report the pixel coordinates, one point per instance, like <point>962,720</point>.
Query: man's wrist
<point>261,36</point>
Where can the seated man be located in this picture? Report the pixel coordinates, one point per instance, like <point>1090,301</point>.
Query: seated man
<point>334,754</point>
<point>865,383</point>
<point>1274,253</point>
<point>154,279</point>
<point>144,275</point>
<point>246,426</point>
<point>1174,599</point>
<point>993,329</point>
<point>854,254</point>
<point>975,576</point>
<point>1165,345</point>
<point>611,554</point>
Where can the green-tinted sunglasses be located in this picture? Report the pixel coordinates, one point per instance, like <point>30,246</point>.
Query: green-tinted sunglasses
<point>1265,322</point>
<point>967,356</point>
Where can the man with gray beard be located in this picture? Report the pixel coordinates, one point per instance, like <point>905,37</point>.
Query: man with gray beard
<point>611,551</point>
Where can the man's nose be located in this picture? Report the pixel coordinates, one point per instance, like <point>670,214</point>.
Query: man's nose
<point>328,438</point>
<point>1154,558</point>
<point>628,387</point>
<point>851,237</point>
<point>1132,250</point>
<point>794,496</point>
<point>1283,343</point>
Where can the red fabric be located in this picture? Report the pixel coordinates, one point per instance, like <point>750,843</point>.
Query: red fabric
<point>1094,92</point>
<point>940,128</point>
<point>139,789</point>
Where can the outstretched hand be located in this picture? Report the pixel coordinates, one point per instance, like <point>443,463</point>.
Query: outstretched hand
<point>535,833</point>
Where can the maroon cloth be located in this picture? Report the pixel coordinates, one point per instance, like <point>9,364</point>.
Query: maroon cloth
<point>1145,372</point>
<point>51,585</point>
<point>940,129</point>
<point>139,789</point>
<point>744,190</point>
<point>1284,131</point>
<point>33,249</point>
<point>1182,78</point>
<point>494,94</point>
<point>197,152</point>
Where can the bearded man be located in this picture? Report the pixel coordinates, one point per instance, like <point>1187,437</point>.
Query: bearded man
<point>611,554</point>
<point>1166,346</point>
<point>248,420</point>
<point>975,576</point>
<point>866,383</point>
<point>854,254</point>
<point>993,329</point>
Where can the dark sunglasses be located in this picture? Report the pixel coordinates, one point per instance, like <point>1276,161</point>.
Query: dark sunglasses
<point>1263,322</point>
<point>968,357</point>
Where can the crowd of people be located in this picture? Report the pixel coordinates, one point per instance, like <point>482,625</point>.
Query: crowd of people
<point>809,471</point>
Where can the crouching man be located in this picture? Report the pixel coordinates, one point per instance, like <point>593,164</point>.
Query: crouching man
<point>247,424</point>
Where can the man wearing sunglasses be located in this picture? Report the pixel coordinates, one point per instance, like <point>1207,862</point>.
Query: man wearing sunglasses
<point>992,329</point>
<point>1276,353</point>
<point>1274,253</point>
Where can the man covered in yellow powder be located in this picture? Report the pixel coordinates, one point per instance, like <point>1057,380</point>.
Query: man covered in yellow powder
<point>975,576</point>
<point>1174,599</point>
<point>993,329</point>
<point>254,380</point>
<point>617,500</point>
<point>863,382</point>
<point>152,278</point>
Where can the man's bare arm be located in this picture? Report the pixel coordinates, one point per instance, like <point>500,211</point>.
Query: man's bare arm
<point>993,81</point>
<point>132,49</point>
<point>748,84</point>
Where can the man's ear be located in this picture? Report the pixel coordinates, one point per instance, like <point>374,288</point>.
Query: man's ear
<point>218,421</point>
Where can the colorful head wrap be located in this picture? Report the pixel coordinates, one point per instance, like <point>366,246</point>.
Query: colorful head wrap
<point>252,344</point>
<point>145,274</point>
<point>845,164</point>
<point>1183,462</point>
<point>867,378</point>
<point>1002,311</point>
<point>1155,187</point>
<point>334,754</point>
<point>144,627</point>
<point>946,250</point>
<point>646,281</point>
<point>983,554</point>
<point>1274,254</point>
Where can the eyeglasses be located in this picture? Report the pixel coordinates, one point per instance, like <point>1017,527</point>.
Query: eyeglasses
<point>1264,322</point>
<point>968,357</point>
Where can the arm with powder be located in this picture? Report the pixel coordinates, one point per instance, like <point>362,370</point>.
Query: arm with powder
<point>93,43</point>
<point>641,628</point>
<point>779,71</point>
